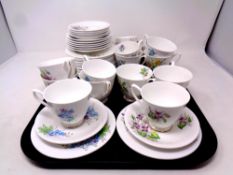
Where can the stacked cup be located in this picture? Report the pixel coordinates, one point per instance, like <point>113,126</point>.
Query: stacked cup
<point>128,51</point>
<point>57,69</point>
<point>159,51</point>
<point>101,75</point>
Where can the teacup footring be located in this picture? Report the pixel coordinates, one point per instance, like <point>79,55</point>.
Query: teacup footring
<point>74,125</point>
<point>159,129</point>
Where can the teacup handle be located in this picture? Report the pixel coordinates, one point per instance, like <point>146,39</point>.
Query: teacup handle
<point>151,80</point>
<point>175,59</point>
<point>108,86</point>
<point>145,38</point>
<point>39,96</point>
<point>133,88</point>
<point>69,69</point>
<point>85,57</point>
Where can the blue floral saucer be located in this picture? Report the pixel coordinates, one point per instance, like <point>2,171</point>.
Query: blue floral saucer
<point>80,149</point>
<point>49,128</point>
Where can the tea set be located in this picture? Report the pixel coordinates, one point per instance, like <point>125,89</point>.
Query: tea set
<point>75,121</point>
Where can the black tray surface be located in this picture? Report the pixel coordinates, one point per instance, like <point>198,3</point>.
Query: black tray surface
<point>116,155</point>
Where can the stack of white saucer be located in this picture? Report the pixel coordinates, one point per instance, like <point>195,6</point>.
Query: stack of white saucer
<point>88,36</point>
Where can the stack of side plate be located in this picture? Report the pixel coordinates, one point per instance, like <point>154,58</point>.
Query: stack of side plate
<point>88,36</point>
<point>180,141</point>
<point>54,140</point>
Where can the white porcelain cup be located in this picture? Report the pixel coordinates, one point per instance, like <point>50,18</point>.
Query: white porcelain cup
<point>159,51</point>
<point>68,99</point>
<point>174,74</point>
<point>129,74</point>
<point>96,70</point>
<point>129,59</point>
<point>56,69</point>
<point>100,89</point>
<point>129,48</point>
<point>165,100</point>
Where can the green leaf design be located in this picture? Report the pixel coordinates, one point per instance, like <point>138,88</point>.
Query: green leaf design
<point>189,119</point>
<point>153,136</point>
<point>142,133</point>
<point>181,125</point>
<point>164,120</point>
<point>151,115</point>
<point>184,121</point>
<point>132,116</point>
<point>45,129</point>
<point>144,71</point>
<point>123,87</point>
<point>104,131</point>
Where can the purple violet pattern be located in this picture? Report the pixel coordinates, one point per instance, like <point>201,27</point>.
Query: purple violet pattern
<point>158,115</point>
<point>141,126</point>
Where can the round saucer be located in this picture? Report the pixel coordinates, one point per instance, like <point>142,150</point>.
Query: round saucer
<point>77,149</point>
<point>50,129</point>
<point>149,151</point>
<point>183,132</point>
<point>89,26</point>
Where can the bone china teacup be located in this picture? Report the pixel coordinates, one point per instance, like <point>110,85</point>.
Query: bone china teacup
<point>166,102</point>
<point>96,70</point>
<point>159,51</point>
<point>129,48</point>
<point>100,89</point>
<point>68,99</point>
<point>56,69</point>
<point>174,74</point>
<point>129,74</point>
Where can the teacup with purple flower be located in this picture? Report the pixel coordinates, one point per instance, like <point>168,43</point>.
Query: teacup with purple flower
<point>165,100</point>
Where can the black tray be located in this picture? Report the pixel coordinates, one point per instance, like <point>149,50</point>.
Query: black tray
<point>116,155</point>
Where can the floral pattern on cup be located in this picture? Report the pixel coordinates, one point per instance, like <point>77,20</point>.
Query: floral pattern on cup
<point>151,52</point>
<point>124,88</point>
<point>184,120</point>
<point>154,62</point>
<point>45,74</point>
<point>49,130</point>
<point>141,127</point>
<point>144,71</point>
<point>91,113</point>
<point>93,141</point>
<point>158,115</point>
<point>121,47</point>
<point>87,78</point>
<point>66,114</point>
<point>120,62</point>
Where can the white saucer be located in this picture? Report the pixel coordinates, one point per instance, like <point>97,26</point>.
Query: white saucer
<point>89,26</point>
<point>77,149</point>
<point>152,152</point>
<point>49,128</point>
<point>178,136</point>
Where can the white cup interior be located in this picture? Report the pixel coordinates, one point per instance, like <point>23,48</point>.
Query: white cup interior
<point>132,72</point>
<point>98,68</point>
<point>161,44</point>
<point>165,94</point>
<point>67,91</point>
<point>130,47</point>
<point>174,74</point>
